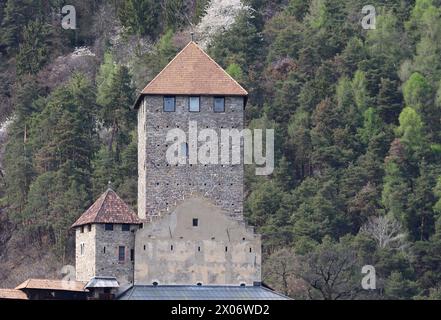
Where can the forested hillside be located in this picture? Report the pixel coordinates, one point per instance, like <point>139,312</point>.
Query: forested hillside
<point>356,113</point>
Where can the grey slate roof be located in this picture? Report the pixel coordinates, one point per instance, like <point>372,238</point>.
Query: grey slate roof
<point>102,282</point>
<point>191,292</point>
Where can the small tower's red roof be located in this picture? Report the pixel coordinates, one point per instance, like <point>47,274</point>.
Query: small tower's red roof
<point>193,72</point>
<point>109,208</point>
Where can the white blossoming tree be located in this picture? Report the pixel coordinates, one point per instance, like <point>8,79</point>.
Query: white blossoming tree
<point>220,15</point>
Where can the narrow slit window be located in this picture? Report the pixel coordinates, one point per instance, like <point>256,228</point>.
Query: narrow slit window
<point>169,104</point>
<point>195,222</point>
<point>132,254</point>
<point>194,104</point>
<point>121,254</point>
<point>184,150</point>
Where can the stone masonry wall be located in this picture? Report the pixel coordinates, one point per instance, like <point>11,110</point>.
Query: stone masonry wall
<point>85,263</point>
<point>167,185</point>
<point>107,263</point>
<point>142,138</point>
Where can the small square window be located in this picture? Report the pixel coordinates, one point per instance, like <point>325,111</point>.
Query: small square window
<point>125,227</point>
<point>108,227</point>
<point>169,104</point>
<point>219,104</point>
<point>194,104</point>
<point>195,222</point>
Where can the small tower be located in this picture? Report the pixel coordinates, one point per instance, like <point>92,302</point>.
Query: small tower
<point>105,240</point>
<point>191,88</point>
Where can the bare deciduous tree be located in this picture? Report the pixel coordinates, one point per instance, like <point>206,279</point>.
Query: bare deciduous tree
<point>280,270</point>
<point>386,231</point>
<point>331,272</point>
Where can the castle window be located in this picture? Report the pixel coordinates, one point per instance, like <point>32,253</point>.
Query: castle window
<point>226,249</point>
<point>169,104</point>
<point>82,249</point>
<point>219,104</point>
<point>132,254</point>
<point>251,250</point>
<point>171,248</point>
<point>104,250</point>
<point>108,227</point>
<point>125,227</point>
<point>184,150</point>
<point>82,229</point>
<point>89,227</point>
<point>194,104</point>
<point>121,254</point>
<point>195,222</point>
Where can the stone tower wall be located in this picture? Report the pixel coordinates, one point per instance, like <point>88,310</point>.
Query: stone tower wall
<point>97,261</point>
<point>162,186</point>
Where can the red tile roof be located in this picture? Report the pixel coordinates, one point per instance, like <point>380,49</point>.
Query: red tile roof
<point>192,71</point>
<point>46,284</point>
<point>109,208</point>
<point>12,294</point>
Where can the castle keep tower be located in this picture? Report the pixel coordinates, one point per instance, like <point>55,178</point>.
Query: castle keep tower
<point>191,212</point>
<point>192,87</point>
<point>105,240</point>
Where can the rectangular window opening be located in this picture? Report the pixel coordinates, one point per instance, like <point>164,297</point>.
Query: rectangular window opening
<point>169,104</point>
<point>125,227</point>
<point>108,227</point>
<point>194,104</point>
<point>195,222</point>
<point>219,104</point>
<point>121,253</point>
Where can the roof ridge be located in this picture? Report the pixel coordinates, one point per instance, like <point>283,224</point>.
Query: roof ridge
<point>217,64</point>
<point>125,204</point>
<point>192,72</point>
<point>106,194</point>
<point>157,76</point>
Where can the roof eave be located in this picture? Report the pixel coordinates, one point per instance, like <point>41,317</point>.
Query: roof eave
<point>141,95</point>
